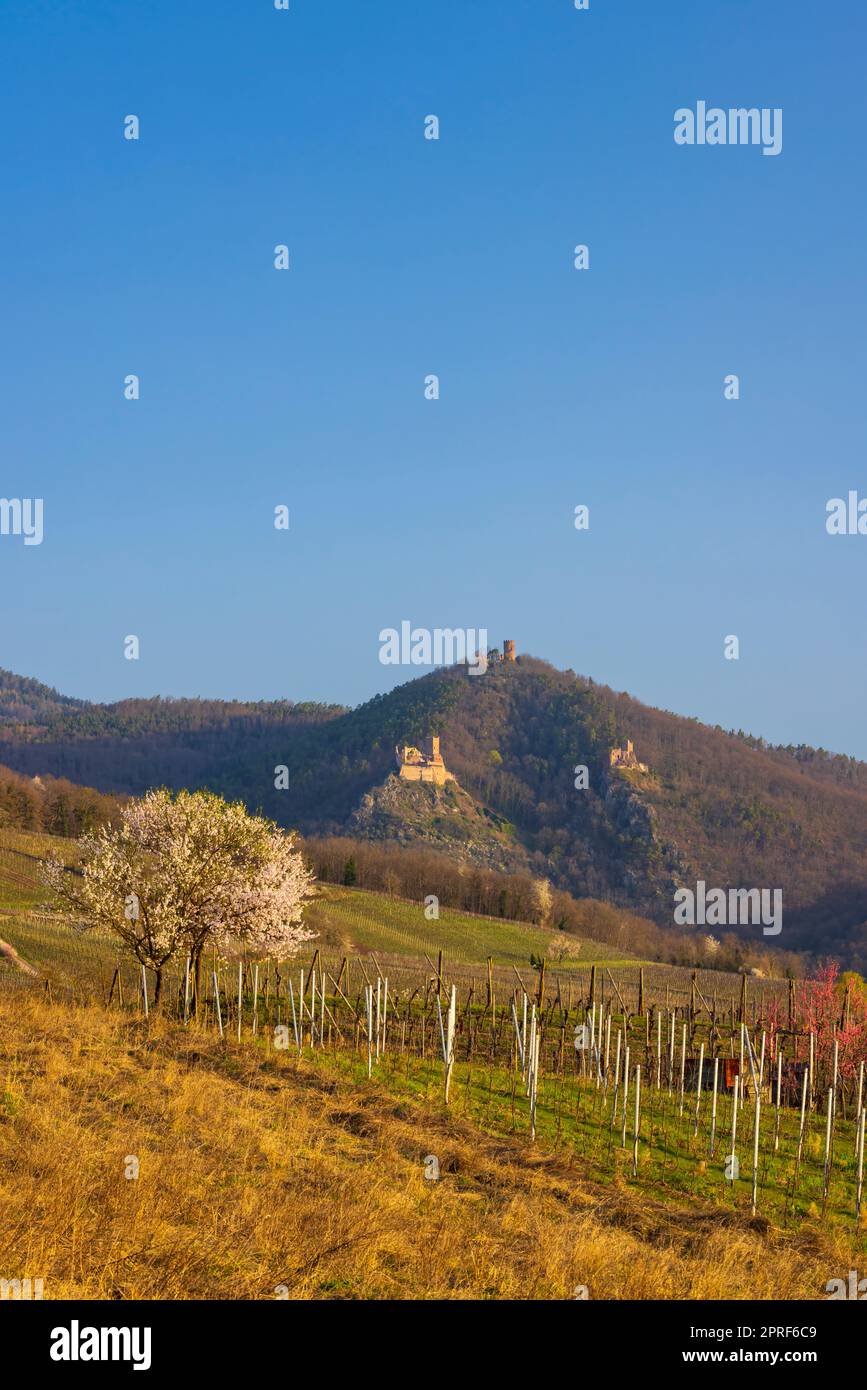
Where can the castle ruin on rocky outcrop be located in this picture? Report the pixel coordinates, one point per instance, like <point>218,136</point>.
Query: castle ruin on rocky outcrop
<point>423,764</point>
<point>624,756</point>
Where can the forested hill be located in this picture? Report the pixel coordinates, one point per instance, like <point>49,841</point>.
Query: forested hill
<point>718,806</point>
<point>30,711</point>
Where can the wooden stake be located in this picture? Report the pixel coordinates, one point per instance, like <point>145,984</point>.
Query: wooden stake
<point>616,1080</point>
<point>804,1090</point>
<point>637,1122</point>
<point>826,1180</point>
<point>294,1018</point>
<point>860,1165</point>
<point>734,1125</point>
<point>450,1042</point>
<point>625,1096</point>
<point>698,1089</point>
<point>217,1002</point>
<point>756,1149</point>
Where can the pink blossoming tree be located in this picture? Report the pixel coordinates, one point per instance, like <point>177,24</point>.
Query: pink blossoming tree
<point>184,872</point>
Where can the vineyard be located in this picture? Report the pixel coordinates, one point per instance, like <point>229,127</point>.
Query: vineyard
<point>726,1093</point>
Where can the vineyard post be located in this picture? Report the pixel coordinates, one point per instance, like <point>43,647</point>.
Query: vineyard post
<point>616,1080</point>
<point>534,1077</point>
<point>241,996</point>
<point>698,1090</point>
<point>804,1089</point>
<point>828,1121</point>
<point>217,1002</point>
<point>713,1105</point>
<point>762,1064</point>
<point>682,1065</point>
<point>671,1054</point>
<point>625,1097</point>
<point>607,1048</point>
<point>599,1047</point>
<point>756,1148</point>
<point>294,1019</point>
<point>835,1071</point>
<point>779,1089</point>
<point>637,1122</point>
<point>735,1125</point>
<point>450,1042</point>
<point>518,1043</point>
<point>658,1048</point>
<point>860,1175</point>
<point>532,1048</point>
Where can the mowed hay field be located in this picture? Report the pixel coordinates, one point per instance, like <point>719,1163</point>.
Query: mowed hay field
<point>263,1176</point>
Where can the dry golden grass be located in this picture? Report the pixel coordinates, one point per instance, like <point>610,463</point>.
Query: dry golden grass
<point>257,1171</point>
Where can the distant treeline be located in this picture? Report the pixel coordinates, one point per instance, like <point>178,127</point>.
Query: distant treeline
<point>418,873</point>
<point>53,806</point>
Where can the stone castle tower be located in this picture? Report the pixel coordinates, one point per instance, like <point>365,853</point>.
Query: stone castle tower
<point>625,756</point>
<point>508,653</point>
<point>424,764</point>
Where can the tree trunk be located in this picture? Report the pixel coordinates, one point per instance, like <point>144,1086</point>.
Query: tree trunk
<point>197,978</point>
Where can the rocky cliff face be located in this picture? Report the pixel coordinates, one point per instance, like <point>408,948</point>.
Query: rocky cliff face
<point>443,818</point>
<point>652,868</point>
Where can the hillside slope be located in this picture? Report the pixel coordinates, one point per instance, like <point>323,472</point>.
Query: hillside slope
<point>262,1177</point>
<point>717,806</point>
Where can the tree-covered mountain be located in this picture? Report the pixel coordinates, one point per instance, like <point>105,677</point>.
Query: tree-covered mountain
<point>722,807</point>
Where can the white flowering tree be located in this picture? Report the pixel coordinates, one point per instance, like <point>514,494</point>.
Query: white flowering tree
<point>182,872</point>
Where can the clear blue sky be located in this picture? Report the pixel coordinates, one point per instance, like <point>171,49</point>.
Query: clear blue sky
<point>454,257</point>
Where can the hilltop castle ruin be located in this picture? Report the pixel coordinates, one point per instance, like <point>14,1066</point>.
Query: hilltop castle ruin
<point>423,765</point>
<point>624,756</point>
<point>508,651</point>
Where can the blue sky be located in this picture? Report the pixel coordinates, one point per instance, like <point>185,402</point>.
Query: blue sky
<point>453,257</point>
